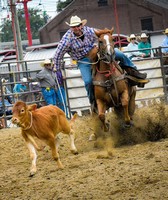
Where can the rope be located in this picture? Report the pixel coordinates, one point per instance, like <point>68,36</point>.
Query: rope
<point>60,93</point>
<point>91,63</point>
<point>31,122</point>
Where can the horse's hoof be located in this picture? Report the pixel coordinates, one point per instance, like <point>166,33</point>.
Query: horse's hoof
<point>132,123</point>
<point>106,127</point>
<point>127,126</point>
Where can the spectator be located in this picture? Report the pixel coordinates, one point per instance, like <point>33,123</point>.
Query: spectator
<point>36,95</point>
<point>5,108</point>
<point>165,43</point>
<point>6,90</point>
<point>133,46</point>
<point>144,44</point>
<point>19,88</point>
<point>1,123</point>
<point>78,41</point>
<point>49,85</point>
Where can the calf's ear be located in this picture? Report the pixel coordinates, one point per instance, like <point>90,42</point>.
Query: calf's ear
<point>32,107</point>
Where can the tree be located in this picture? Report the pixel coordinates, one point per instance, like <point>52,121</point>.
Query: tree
<point>62,4</point>
<point>6,31</point>
<point>37,20</point>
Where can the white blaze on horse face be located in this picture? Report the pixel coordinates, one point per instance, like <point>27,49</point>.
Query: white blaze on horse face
<point>106,37</point>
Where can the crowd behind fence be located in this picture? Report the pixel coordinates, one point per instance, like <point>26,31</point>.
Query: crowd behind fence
<point>15,71</point>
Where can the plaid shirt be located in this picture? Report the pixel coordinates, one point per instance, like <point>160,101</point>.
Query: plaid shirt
<point>74,46</point>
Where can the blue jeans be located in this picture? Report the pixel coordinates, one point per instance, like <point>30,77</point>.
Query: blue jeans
<point>86,72</point>
<point>49,96</point>
<point>124,60</point>
<point>55,97</point>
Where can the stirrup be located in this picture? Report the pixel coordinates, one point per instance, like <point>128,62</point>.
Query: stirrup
<point>141,75</point>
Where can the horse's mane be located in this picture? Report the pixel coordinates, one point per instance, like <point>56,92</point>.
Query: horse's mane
<point>103,31</point>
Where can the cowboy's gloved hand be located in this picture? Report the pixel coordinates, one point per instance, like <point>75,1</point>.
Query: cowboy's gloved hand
<point>16,95</point>
<point>29,79</point>
<point>54,69</point>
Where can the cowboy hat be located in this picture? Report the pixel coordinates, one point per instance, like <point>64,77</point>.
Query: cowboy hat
<point>4,80</point>
<point>75,21</point>
<point>46,62</point>
<point>24,79</point>
<point>130,37</point>
<point>166,31</point>
<point>143,35</point>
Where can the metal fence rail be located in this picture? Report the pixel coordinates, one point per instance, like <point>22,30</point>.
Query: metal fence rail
<point>13,72</point>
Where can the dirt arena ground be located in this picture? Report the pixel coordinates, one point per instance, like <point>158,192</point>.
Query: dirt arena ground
<point>127,164</point>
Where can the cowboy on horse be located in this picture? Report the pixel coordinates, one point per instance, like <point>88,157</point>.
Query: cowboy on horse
<point>79,42</point>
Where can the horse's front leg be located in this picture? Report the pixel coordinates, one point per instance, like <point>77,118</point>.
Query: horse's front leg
<point>101,113</point>
<point>125,103</point>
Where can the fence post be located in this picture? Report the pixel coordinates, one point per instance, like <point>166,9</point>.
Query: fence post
<point>3,104</point>
<point>163,73</point>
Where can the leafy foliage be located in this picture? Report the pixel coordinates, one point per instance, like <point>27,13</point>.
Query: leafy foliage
<point>37,21</point>
<point>62,4</point>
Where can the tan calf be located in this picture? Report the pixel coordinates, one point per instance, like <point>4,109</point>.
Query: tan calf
<point>44,123</point>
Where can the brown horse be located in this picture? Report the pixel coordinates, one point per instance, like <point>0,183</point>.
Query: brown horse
<point>111,87</point>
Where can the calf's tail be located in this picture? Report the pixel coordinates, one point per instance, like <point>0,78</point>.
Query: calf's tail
<point>72,121</point>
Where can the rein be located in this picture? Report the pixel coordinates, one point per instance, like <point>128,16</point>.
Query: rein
<point>103,54</point>
<point>91,63</point>
<point>108,84</point>
<point>107,72</point>
<point>31,122</point>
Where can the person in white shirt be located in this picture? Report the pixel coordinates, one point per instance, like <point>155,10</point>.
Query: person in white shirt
<point>133,46</point>
<point>165,43</point>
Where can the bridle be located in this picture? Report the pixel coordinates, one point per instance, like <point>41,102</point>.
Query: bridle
<point>109,60</point>
<point>104,55</point>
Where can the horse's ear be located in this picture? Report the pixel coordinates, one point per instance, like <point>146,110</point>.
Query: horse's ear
<point>97,32</point>
<point>112,30</point>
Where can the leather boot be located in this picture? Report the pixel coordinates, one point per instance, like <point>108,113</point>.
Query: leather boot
<point>135,73</point>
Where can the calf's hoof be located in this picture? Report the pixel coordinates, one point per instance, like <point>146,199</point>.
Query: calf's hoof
<point>60,165</point>
<point>75,152</point>
<point>33,170</point>
<point>32,174</point>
